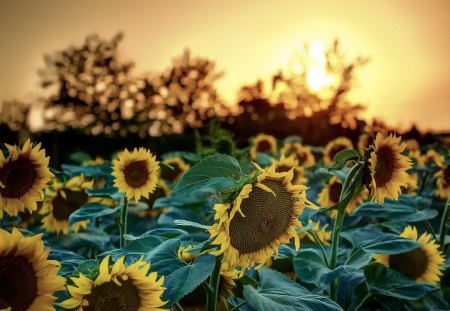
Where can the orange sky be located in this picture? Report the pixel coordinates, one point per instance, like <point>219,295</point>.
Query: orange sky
<point>408,79</point>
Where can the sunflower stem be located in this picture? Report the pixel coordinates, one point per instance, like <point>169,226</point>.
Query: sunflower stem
<point>324,255</point>
<point>424,180</point>
<point>178,306</point>
<point>235,308</point>
<point>123,222</point>
<point>443,228</point>
<point>362,302</point>
<point>339,222</point>
<point>211,297</point>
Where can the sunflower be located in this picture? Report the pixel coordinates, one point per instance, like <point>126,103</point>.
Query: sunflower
<point>387,168</point>
<point>263,216</point>
<point>433,157</point>
<point>96,161</point>
<point>28,278</point>
<point>333,147</point>
<point>136,173</point>
<point>61,200</point>
<point>443,181</point>
<point>23,175</point>
<point>331,193</point>
<point>321,232</point>
<point>412,183</point>
<point>285,164</point>
<point>303,154</point>
<point>161,191</point>
<point>422,264</point>
<point>364,142</point>
<point>411,145</point>
<point>263,143</point>
<point>179,167</point>
<point>123,288</point>
<point>195,300</point>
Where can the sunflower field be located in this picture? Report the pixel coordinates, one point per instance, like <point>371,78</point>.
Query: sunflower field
<point>276,225</point>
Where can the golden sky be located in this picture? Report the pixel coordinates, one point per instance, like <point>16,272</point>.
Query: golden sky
<point>407,80</point>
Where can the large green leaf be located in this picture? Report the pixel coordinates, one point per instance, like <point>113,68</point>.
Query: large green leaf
<point>346,155</point>
<point>91,237</point>
<point>137,247</point>
<point>218,172</point>
<point>277,292</point>
<point>310,267</point>
<point>377,242</point>
<point>388,282</point>
<point>91,211</point>
<point>110,192</point>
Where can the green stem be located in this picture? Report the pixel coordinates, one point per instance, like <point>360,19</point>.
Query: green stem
<point>211,298</point>
<point>324,255</point>
<point>123,222</point>
<point>443,228</point>
<point>338,223</point>
<point>178,306</point>
<point>424,180</point>
<point>362,302</point>
<point>235,308</point>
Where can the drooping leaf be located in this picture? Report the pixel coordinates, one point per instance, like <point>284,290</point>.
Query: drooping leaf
<point>218,172</point>
<point>388,282</point>
<point>92,211</point>
<point>346,155</point>
<point>277,292</point>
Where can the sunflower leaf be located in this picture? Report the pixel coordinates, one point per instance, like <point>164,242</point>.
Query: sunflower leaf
<point>388,282</point>
<point>91,211</point>
<point>346,155</point>
<point>219,172</point>
<point>277,292</point>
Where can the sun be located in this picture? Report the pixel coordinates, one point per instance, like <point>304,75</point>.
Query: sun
<point>317,76</point>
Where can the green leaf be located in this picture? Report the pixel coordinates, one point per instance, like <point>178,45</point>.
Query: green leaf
<point>91,237</point>
<point>346,155</point>
<point>110,192</point>
<point>137,247</point>
<point>218,172</point>
<point>310,267</point>
<point>377,242</point>
<point>87,170</point>
<point>388,282</point>
<point>168,233</point>
<point>277,292</point>
<point>164,258</point>
<point>194,200</point>
<point>80,157</point>
<point>91,211</point>
<point>187,223</point>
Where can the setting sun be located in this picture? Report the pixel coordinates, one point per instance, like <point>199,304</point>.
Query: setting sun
<point>317,76</point>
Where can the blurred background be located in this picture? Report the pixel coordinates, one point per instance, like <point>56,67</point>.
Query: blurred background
<point>102,75</point>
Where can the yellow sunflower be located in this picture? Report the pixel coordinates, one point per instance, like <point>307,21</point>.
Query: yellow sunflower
<point>334,146</point>
<point>121,288</point>
<point>331,193</point>
<point>28,278</point>
<point>443,181</point>
<point>412,183</point>
<point>285,164</point>
<point>388,168</point>
<point>432,156</point>
<point>263,143</point>
<point>23,176</point>
<point>161,191</point>
<point>61,200</point>
<point>96,161</point>
<point>321,232</point>
<point>422,264</point>
<point>195,301</point>
<point>364,141</point>
<point>136,173</point>
<point>303,154</point>
<point>179,167</point>
<point>263,216</point>
<point>411,145</point>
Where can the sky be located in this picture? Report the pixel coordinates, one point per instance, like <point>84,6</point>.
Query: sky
<point>407,80</point>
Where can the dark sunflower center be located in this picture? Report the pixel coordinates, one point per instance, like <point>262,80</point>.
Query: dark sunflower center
<point>301,158</point>
<point>264,146</point>
<point>385,168</point>
<point>447,176</point>
<point>413,264</point>
<point>171,174</point>
<point>111,297</point>
<point>62,208</point>
<point>335,150</point>
<point>266,218</point>
<point>335,192</point>
<point>158,193</point>
<point>18,177</point>
<point>18,285</point>
<point>136,173</point>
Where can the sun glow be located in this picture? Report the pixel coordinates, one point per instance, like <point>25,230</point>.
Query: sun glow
<point>317,76</point>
